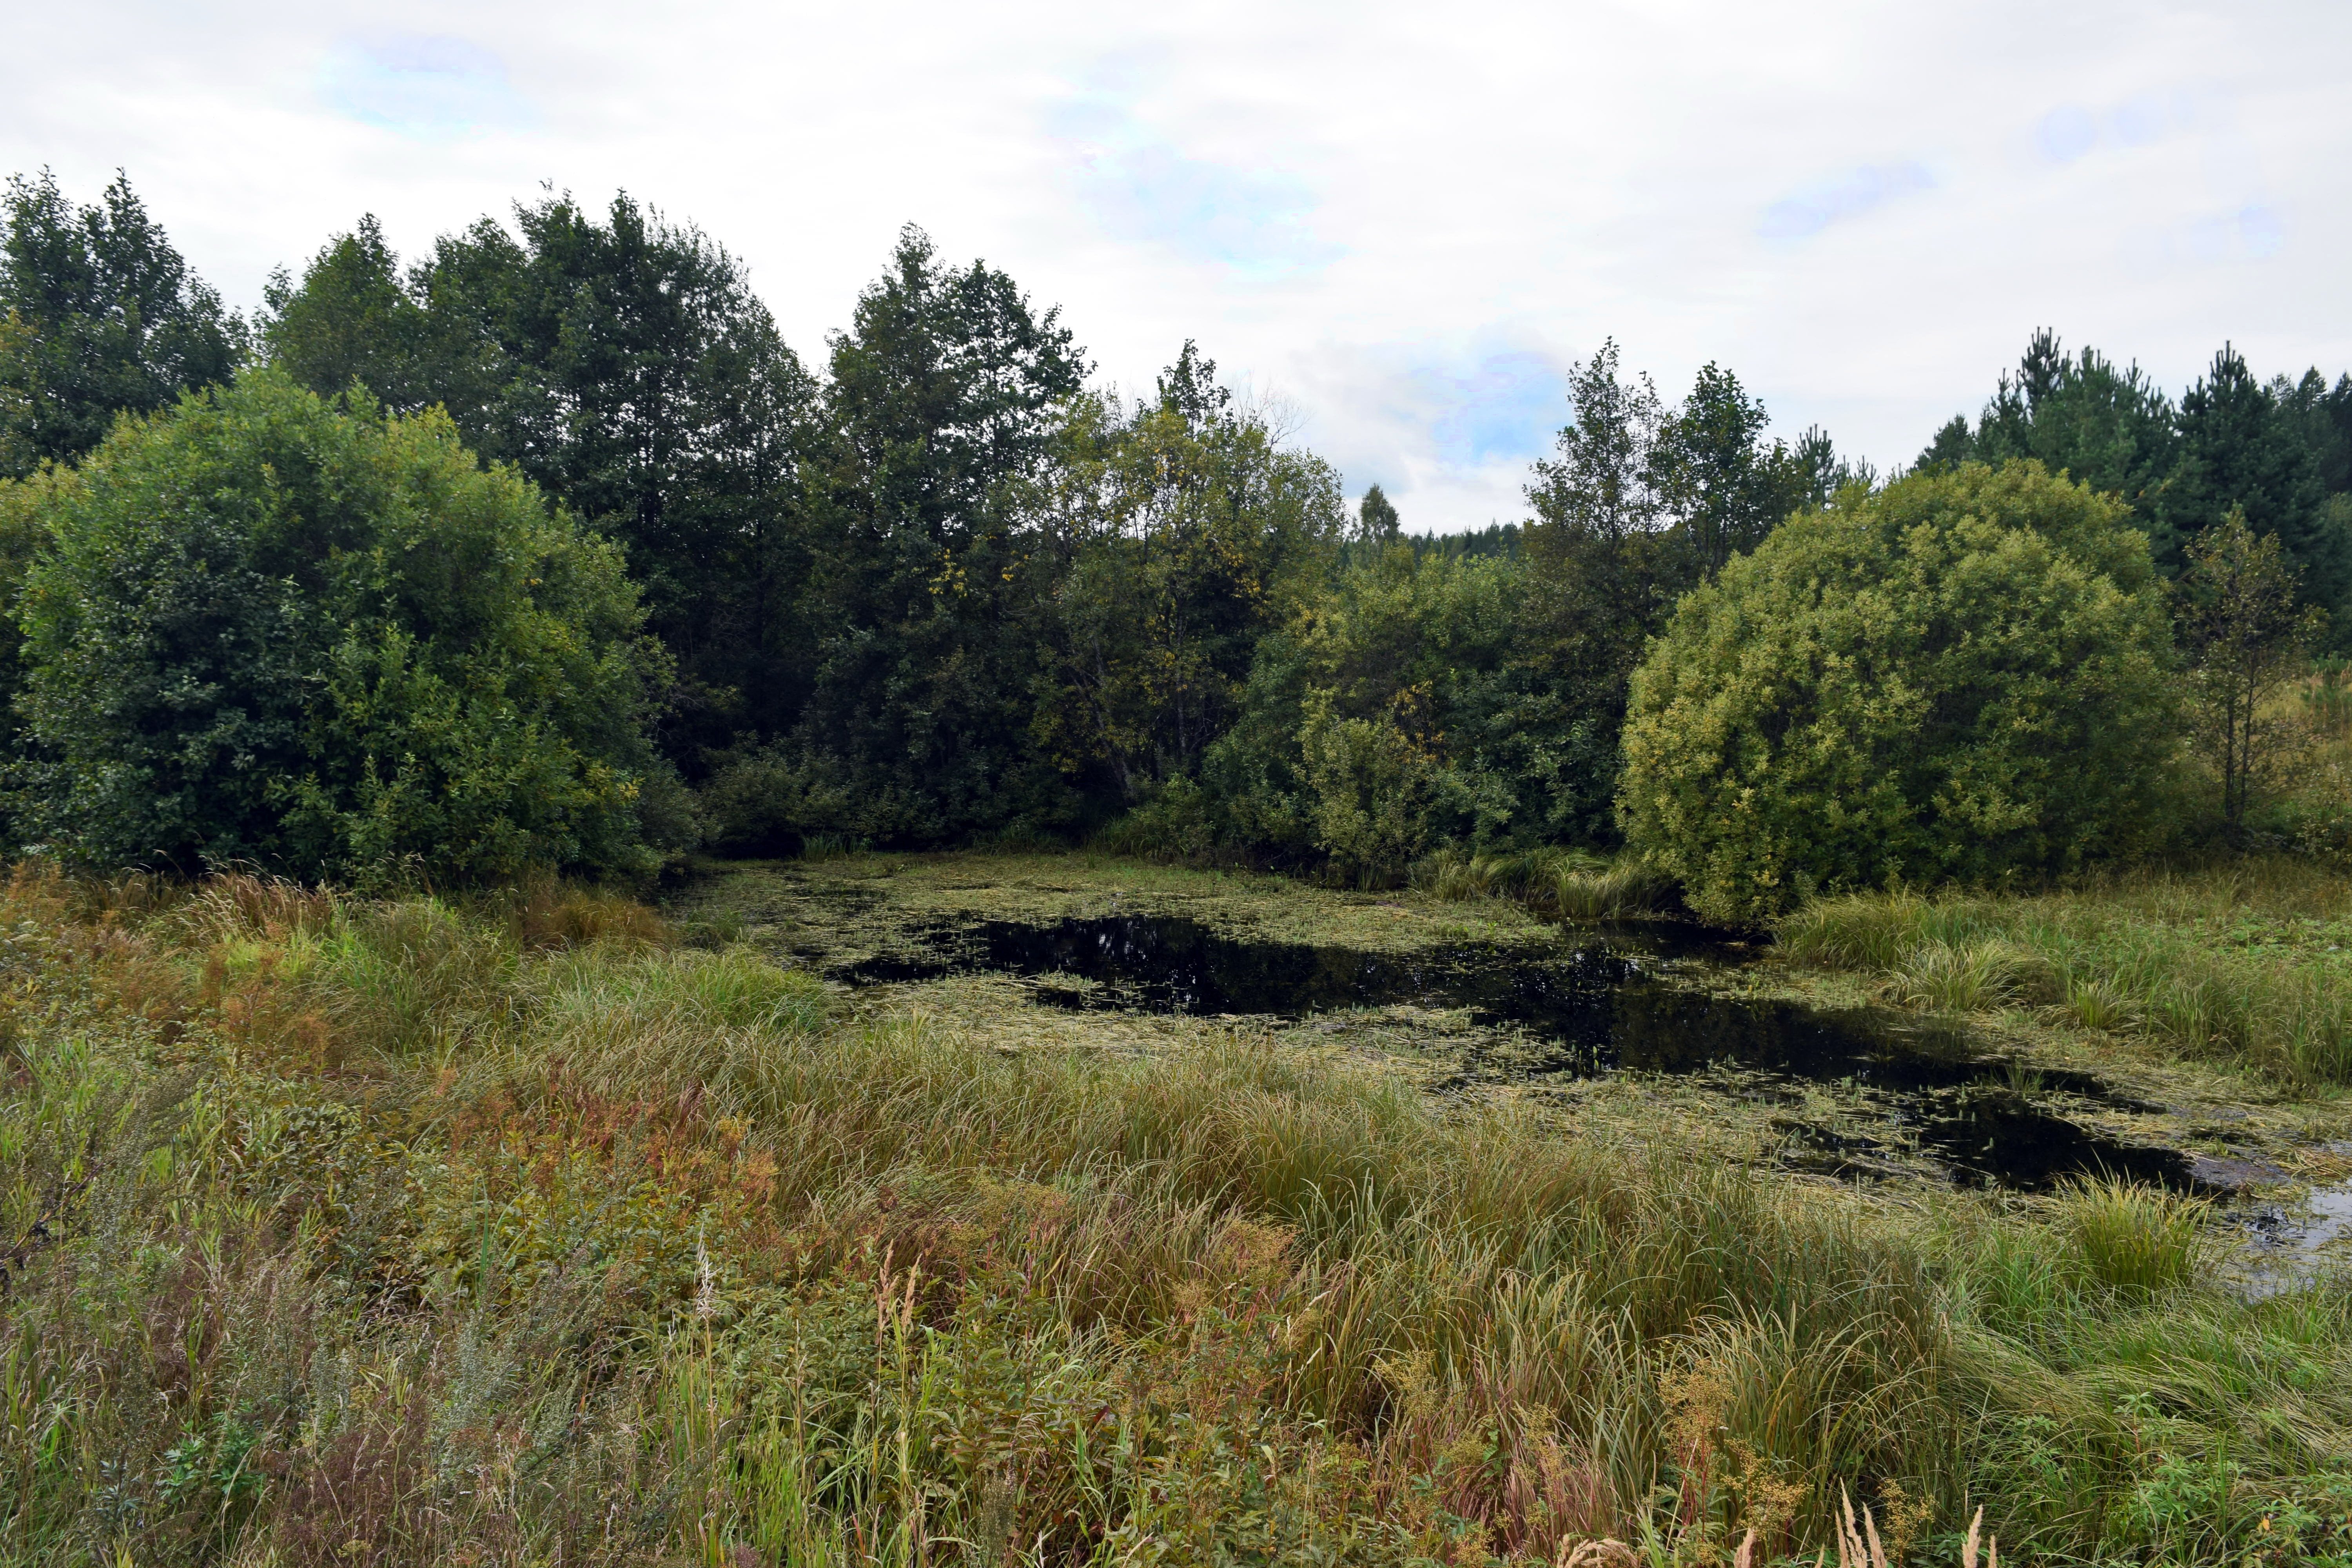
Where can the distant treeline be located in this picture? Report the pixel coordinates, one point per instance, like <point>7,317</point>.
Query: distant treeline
<point>939,585</point>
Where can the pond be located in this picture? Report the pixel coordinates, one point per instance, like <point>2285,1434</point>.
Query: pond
<point>1593,1004</point>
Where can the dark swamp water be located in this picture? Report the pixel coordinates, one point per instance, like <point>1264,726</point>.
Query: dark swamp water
<point>1591,1006</point>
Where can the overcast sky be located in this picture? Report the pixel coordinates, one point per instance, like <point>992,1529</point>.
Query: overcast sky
<point>1406,221</point>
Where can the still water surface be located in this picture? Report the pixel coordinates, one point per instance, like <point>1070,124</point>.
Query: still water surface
<point>1592,1005</point>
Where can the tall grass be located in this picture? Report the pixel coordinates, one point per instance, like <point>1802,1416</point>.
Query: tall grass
<point>1566,884</point>
<point>2133,1236</point>
<point>594,1249</point>
<point>2251,963</point>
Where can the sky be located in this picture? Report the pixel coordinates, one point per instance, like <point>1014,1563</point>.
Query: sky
<point>1399,225</point>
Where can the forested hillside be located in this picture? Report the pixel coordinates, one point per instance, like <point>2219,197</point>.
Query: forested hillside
<point>935,583</point>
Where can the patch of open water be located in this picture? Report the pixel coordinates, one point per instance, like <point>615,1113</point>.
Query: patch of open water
<point>1594,1005</point>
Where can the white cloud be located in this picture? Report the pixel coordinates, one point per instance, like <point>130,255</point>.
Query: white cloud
<point>1805,212</point>
<point>429,88</point>
<point>1406,217</point>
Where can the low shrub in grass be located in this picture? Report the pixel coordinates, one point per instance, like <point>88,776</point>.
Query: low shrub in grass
<point>1962,678</point>
<point>1176,825</point>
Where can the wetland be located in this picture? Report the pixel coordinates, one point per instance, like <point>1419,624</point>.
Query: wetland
<point>1655,1030</point>
<point>1003,1198</point>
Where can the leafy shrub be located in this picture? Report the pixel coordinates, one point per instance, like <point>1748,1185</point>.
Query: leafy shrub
<point>272,628</point>
<point>1176,823</point>
<point>2325,836</point>
<point>1372,788</point>
<point>754,806</point>
<point>1400,711</point>
<point>775,801</point>
<point>1963,677</point>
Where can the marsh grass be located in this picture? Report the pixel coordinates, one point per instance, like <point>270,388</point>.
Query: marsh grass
<point>1966,977</point>
<point>2133,1236</point>
<point>599,1249</point>
<point>1562,884</point>
<point>2250,962</point>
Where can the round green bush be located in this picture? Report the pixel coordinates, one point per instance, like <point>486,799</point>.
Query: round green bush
<point>269,628</point>
<point>1965,678</point>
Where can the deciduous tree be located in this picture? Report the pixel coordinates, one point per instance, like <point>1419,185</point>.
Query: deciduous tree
<point>98,315</point>
<point>2247,637</point>
<point>623,363</point>
<point>1965,677</point>
<point>267,628</point>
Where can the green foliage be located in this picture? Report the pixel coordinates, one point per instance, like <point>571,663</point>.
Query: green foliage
<point>2109,428</point>
<point>1639,502</point>
<point>947,594</point>
<point>2246,640</point>
<point>1424,698</point>
<point>767,801</point>
<point>98,315</point>
<point>22,505</point>
<point>1725,487</point>
<point>354,319</point>
<point>2322,415</point>
<point>1188,533</point>
<point>1178,823</point>
<point>1496,539</point>
<point>265,628</point>
<point>913,637</point>
<point>2281,453</point>
<point>1372,790</point>
<point>1399,710</point>
<point>1965,678</point>
<point>622,365</point>
<point>2251,964</point>
<point>2240,449</point>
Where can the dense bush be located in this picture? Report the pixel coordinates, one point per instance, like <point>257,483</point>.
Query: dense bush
<point>1964,678</point>
<point>269,628</point>
<point>772,800</point>
<point>1399,710</point>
